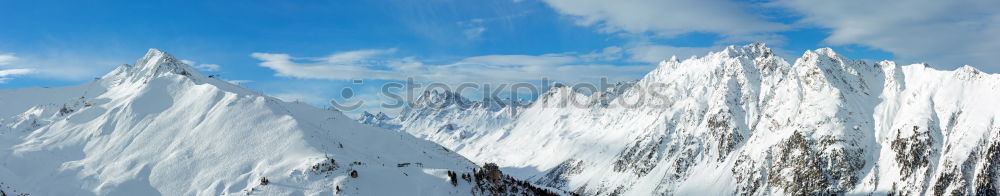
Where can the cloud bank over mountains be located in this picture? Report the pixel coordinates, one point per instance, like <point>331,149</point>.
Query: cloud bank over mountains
<point>379,64</point>
<point>968,34</point>
<point>948,33</point>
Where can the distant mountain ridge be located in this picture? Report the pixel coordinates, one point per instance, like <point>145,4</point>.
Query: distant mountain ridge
<point>745,121</point>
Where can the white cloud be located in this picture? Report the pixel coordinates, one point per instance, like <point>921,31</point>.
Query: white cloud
<point>239,82</point>
<point>357,56</point>
<point>202,67</point>
<point>519,60</point>
<point>188,62</point>
<point>301,97</point>
<point>653,53</point>
<point>666,18</point>
<point>6,73</point>
<point>207,67</point>
<point>339,66</point>
<point>375,64</point>
<point>7,59</point>
<point>948,33</point>
<point>59,65</point>
<point>474,33</point>
<point>610,53</point>
<point>941,32</point>
<point>11,72</point>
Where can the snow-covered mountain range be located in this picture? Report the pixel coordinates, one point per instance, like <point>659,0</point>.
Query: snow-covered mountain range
<point>160,127</point>
<point>740,121</point>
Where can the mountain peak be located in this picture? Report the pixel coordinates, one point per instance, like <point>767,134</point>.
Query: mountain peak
<point>825,52</point>
<point>756,49</point>
<point>368,116</point>
<point>436,94</point>
<point>441,98</point>
<point>155,63</point>
<point>161,107</point>
<point>154,52</point>
<point>967,72</point>
<point>813,57</point>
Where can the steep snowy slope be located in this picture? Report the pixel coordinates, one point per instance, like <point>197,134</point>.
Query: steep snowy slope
<point>744,121</point>
<point>160,127</point>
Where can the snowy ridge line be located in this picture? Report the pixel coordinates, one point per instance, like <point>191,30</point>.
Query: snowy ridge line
<point>161,127</point>
<point>745,121</point>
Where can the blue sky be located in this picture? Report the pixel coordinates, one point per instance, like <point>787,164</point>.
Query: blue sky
<point>311,50</point>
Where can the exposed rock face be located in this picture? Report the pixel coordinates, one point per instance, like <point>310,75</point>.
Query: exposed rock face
<point>489,180</point>
<point>744,121</point>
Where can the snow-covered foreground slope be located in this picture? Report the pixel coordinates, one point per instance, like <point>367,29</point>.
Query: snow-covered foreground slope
<point>160,127</point>
<point>744,121</point>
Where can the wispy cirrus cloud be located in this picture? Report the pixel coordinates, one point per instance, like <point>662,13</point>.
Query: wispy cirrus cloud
<point>940,32</point>
<point>474,32</point>
<point>643,22</point>
<point>949,33</point>
<point>7,59</point>
<point>667,18</point>
<point>5,74</point>
<point>381,64</point>
<point>301,97</point>
<point>203,66</point>
<point>55,65</point>
<point>651,53</point>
